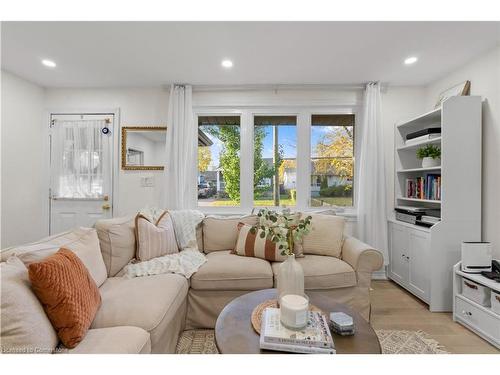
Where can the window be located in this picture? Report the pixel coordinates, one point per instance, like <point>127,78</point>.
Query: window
<point>332,160</point>
<point>219,161</point>
<point>275,163</point>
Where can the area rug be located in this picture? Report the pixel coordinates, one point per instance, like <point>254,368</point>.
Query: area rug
<point>202,341</point>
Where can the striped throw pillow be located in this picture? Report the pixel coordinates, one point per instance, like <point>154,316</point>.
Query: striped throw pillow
<point>155,240</point>
<point>252,245</point>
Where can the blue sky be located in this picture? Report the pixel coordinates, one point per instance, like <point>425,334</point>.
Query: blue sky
<point>287,136</point>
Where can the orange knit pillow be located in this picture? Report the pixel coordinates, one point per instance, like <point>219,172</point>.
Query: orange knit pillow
<point>68,294</point>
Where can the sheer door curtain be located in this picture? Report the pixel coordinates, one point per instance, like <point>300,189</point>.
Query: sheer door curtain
<point>80,158</point>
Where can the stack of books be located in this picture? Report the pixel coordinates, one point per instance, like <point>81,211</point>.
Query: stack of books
<point>315,338</point>
<point>428,187</point>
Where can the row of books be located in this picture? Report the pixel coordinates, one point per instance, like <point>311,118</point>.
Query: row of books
<point>315,338</point>
<point>427,187</point>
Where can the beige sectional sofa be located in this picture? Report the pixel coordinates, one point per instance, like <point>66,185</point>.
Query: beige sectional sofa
<point>147,314</point>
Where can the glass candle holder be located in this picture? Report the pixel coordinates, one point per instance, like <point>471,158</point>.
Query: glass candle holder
<point>293,310</point>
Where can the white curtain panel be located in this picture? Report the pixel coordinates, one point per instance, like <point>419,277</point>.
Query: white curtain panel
<point>180,185</point>
<point>371,187</point>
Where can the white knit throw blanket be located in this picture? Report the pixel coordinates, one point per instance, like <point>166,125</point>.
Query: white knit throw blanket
<point>187,261</point>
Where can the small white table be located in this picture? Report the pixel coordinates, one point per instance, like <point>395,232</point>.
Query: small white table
<point>479,319</point>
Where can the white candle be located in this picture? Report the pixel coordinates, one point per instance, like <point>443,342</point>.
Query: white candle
<point>293,311</point>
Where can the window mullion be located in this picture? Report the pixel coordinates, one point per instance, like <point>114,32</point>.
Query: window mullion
<point>303,159</point>
<point>246,161</point>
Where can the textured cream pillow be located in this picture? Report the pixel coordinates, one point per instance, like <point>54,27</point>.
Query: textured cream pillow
<point>25,328</point>
<point>220,233</point>
<point>155,240</point>
<point>117,239</point>
<point>82,241</point>
<point>326,236</point>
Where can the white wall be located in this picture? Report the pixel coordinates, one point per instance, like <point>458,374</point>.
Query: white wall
<point>148,106</point>
<point>24,207</point>
<point>138,107</point>
<point>484,74</point>
<point>398,103</point>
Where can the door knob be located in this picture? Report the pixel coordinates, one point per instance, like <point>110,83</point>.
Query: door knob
<point>106,206</point>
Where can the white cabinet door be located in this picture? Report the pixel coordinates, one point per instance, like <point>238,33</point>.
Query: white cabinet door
<point>398,243</point>
<point>418,258</point>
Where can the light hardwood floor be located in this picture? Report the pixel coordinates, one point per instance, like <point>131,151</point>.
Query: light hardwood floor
<point>395,308</point>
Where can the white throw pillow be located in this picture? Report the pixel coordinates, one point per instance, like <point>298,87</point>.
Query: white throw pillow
<point>326,236</point>
<point>25,327</point>
<point>155,240</point>
<point>82,241</point>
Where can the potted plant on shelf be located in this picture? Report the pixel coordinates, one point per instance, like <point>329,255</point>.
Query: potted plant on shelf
<point>430,155</point>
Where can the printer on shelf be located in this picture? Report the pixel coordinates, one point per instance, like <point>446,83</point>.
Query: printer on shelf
<point>476,257</point>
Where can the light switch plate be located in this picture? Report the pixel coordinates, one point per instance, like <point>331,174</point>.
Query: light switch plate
<point>147,181</point>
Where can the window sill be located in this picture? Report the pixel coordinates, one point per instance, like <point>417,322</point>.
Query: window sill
<point>347,212</point>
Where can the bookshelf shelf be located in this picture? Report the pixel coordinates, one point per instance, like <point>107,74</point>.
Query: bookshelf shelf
<point>419,200</point>
<point>412,170</point>
<point>421,260</point>
<point>414,146</point>
<point>430,117</point>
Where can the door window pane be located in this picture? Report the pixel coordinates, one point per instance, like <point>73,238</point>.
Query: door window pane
<point>219,161</point>
<point>332,160</point>
<point>275,163</point>
<point>78,159</point>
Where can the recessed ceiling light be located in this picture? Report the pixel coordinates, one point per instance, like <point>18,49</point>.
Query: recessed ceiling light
<point>49,63</point>
<point>227,63</point>
<point>411,60</point>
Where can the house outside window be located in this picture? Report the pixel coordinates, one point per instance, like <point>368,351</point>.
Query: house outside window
<point>263,157</point>
<point>332,160</point>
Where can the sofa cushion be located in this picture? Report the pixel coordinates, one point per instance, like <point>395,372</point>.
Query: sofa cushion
<point>226,271</point>
<point>141,302</point>
<point>117,238</point>
<point>68,294</point>
<point>325,237</point>
<point>82,241</point>
<point>112,340</point>
<point>24,326</point>
<point>323,272</point>
<point>220,233</point>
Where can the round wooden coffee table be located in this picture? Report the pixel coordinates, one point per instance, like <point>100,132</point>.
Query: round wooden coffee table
<point>234,333</point>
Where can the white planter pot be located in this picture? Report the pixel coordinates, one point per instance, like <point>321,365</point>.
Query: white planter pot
<point>430,162</point>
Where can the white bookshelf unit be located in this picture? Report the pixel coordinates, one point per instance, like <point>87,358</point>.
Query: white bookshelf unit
<point>482,320</point>
<point>421,259</point>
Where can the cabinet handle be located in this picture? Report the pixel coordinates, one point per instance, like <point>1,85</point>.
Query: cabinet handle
<point>466,313</point>
<point>407,258</point>
<point>472,286</point>
<point>403,256</point>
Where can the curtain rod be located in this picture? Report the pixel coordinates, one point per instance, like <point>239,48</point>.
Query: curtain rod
<point>201,88</point>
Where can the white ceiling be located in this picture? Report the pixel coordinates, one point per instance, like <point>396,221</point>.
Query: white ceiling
<point>114,54</point>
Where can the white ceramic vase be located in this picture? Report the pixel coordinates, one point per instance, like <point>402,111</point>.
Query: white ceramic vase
<point>290,277</point>
<point>429,162</point>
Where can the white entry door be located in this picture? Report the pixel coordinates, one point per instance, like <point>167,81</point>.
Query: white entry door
<point>81,181</point>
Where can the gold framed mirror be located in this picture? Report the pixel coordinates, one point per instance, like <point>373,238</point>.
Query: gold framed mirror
<point>143,148</point>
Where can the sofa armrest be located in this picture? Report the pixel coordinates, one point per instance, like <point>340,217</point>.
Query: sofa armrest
<point>362,257</point>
